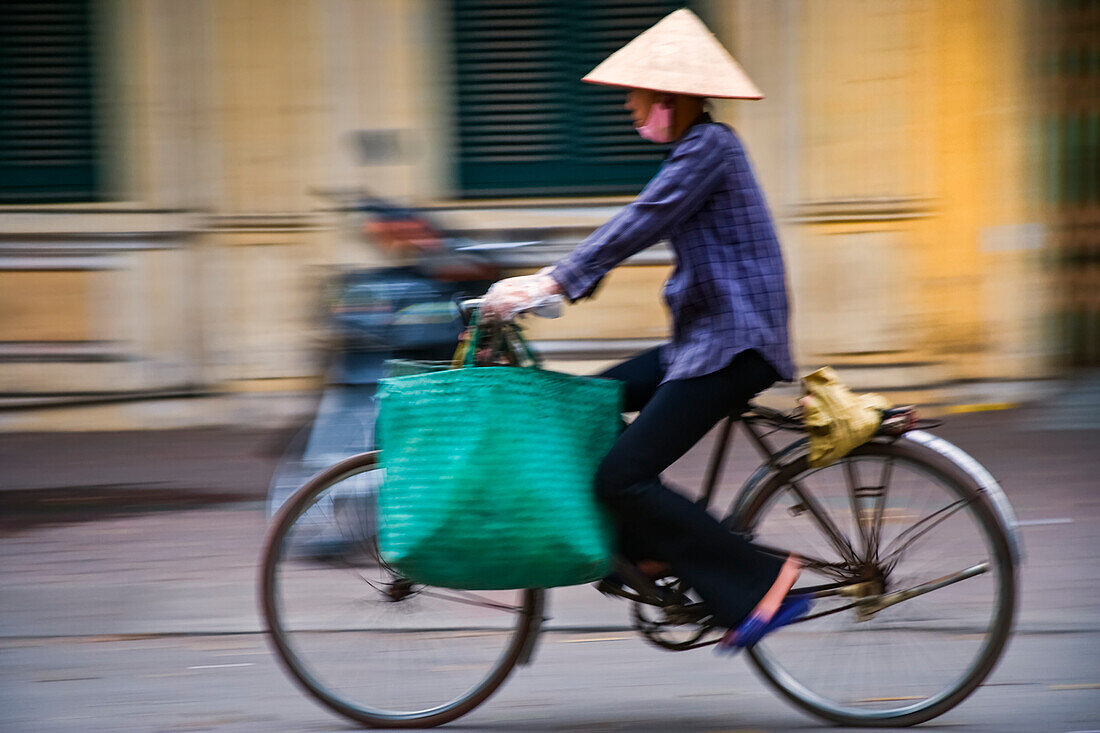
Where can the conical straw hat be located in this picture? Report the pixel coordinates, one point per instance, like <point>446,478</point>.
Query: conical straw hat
<point>678,55</point>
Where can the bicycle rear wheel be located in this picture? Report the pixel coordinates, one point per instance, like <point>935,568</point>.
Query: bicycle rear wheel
<point>364,641</point>
<point>888,517</point>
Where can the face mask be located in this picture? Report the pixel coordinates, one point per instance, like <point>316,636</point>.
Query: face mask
<point>658,126</point>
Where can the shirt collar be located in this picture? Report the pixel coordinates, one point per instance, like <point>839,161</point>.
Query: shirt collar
<point>702,119</point>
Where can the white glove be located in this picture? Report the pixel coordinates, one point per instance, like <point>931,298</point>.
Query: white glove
<point>507,298</point>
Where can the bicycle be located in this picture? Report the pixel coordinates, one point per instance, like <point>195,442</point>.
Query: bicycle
<point>911,627</point>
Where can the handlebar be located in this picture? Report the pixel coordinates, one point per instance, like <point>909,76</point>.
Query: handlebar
<point>467,307</point>
<point>549,307</point>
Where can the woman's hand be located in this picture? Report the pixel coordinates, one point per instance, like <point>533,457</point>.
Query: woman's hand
<point>514,294</point>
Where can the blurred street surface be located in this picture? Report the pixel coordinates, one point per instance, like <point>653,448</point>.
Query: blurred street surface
<point>128,567</point>
<point>85,476</point>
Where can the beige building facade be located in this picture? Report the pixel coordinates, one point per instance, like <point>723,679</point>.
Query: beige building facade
<point>894,146</point>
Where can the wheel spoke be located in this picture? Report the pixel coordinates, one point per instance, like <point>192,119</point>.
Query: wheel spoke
<point>918,530</point>
<point>825,523</point>
<point>880,507</point>
<point>867,519</point>
<point>857,510</point>
<point>810,561</point>
<point>469,599</point>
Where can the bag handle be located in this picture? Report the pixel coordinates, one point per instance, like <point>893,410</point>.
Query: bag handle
<point>511,334</point>
<point>468,347</point>
<point>516,338</point>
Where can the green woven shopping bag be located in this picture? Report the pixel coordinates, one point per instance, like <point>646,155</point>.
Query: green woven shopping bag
<point>489,476</point>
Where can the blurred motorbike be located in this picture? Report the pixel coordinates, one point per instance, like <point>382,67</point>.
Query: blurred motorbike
<point>407,310</point>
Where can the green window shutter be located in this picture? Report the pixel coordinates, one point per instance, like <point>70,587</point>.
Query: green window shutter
<point>47,138</point>
<point>526,123</point>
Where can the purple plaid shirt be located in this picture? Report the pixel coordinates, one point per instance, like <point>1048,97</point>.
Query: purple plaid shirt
<point>727,293</point>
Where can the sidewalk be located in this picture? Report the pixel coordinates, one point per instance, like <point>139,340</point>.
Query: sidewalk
<point>213,461</point>
<point>193,467</point>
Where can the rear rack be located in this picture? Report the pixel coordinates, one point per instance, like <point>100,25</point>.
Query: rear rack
<point>895,420</point>
<point>777,419</point>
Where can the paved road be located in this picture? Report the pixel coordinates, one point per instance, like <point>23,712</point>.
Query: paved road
<point>144,620</point>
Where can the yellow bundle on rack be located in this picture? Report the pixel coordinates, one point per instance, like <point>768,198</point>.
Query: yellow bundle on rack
<point>837,420</point>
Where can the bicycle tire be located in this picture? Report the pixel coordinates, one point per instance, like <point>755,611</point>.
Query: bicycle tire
<point>301,670</point>
<point>995,638</point>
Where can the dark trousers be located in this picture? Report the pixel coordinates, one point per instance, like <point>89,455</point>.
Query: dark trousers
<point>657,523</point>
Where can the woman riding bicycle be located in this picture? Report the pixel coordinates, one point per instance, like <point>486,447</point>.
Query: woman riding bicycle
<point>728,301</point>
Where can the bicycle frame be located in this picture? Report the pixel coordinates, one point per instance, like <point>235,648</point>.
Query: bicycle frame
<point>725,439</point>
<point>865,600</point>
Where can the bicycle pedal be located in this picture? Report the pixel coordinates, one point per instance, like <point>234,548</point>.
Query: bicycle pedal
<point>610,588</point>
<point>654,595</point>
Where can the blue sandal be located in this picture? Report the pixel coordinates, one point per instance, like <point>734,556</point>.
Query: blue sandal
<point>754,628</point>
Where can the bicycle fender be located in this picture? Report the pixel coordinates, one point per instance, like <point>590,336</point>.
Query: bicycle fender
<point>984,480</point>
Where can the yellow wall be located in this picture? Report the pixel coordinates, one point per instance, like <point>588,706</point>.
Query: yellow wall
<point>892,146</point>
<point>45,306</point>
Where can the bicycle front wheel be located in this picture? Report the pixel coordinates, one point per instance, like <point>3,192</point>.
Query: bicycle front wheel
<point>367,643</point>
<point>916,580</point>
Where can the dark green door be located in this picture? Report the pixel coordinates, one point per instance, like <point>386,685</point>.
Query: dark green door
<point>47,141</point>
<point>526,124</point>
